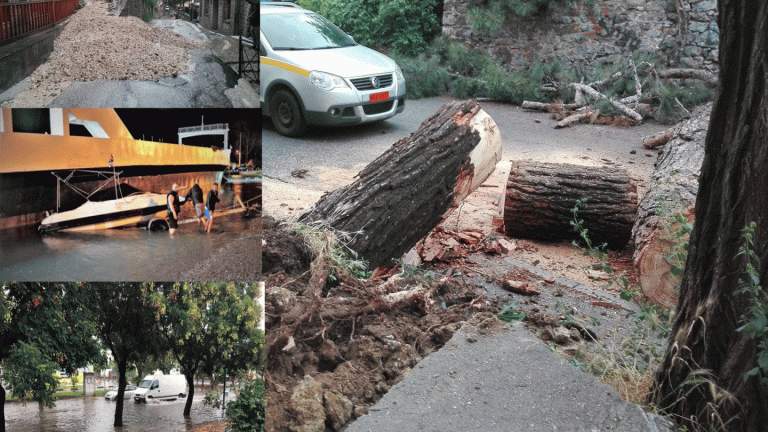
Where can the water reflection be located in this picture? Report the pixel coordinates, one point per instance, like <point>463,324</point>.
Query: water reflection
<point>97,415</point>
<point>123,254</point>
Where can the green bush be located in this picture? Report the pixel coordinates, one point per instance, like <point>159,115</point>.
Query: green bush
<point>405,26</point>
<point>246,413</point>
<point>489,15</point>
<point>424,77</point>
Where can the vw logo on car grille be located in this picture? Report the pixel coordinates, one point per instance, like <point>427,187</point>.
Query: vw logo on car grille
<point>375,82</point>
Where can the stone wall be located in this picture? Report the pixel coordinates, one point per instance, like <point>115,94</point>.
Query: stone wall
<point>605,31</point>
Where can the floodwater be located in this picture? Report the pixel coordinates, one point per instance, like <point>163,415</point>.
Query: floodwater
<point>131,254</point>
<point>97,415</point>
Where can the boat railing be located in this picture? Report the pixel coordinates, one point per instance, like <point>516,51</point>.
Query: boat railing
<point>107,178</point>
<point>217,126</point>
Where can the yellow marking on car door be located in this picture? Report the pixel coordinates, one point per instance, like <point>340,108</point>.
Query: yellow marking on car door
<point>283,65</point>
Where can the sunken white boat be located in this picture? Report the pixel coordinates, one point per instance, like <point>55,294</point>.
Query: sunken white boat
<point>111,205</point>
<point>37,142</point>
<point>138,209</point>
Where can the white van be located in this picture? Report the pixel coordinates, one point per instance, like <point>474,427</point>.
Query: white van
<point>161,387</point>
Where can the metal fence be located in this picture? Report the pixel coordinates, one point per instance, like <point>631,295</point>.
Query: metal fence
<point>248,61</point>
<point>17,19</point>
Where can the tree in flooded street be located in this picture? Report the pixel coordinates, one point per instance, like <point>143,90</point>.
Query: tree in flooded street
<point>151,362</point>
<point>715,371</point>
<point>211,323</point>
<point>44,327</point>
<point>127,324</point>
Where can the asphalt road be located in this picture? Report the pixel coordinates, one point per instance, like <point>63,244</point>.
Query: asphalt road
<point>525,135</point>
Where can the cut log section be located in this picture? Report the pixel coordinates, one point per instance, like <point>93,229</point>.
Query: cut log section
<point>672,190</point>
<point>399,197</point>
<point>540,197</point>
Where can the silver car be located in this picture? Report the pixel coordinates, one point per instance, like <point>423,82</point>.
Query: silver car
<point>129,390</point>
<point>311,72</point>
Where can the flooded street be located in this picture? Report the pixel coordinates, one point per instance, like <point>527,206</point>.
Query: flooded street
<point>97,415</point>
<point>131,254</point>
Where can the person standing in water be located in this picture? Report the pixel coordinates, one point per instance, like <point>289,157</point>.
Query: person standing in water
<point>174,206</point>
<point>196,195</point>
<point>210,205</point>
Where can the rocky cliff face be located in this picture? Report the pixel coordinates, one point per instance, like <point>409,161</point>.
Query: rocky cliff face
<point>683,33</point>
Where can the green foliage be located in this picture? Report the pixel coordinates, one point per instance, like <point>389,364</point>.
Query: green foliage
<point>402,25</point>
<point>674,100</point>
<point>425,77</point>
<point>755,320</point>
<point>210,325</point>
<point>489,19</point>
<point>490,15</point>
<point>415,274</point>
<point>31,374</point>
<point>246,413</point>
<point>658,318</point>
<point>511,313</point>
<point>676,229</point>
<point>45,327</point>
<point>450,67</point>
<point>597,252</point>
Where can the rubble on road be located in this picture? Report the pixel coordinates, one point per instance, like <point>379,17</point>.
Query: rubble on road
<point>97,45</point>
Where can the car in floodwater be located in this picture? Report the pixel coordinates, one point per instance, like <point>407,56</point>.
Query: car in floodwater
<point>112,394</point>
<point>312,73</point>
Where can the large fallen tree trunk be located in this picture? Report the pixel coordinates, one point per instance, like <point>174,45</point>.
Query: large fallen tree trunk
<point>668,203</point>
<point>540,198</point>
<point>399,197</point>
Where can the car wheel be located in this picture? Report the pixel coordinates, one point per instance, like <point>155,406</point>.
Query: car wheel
<point>286,114</point>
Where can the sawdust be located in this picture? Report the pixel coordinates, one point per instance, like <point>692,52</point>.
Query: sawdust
<point>97,45</point>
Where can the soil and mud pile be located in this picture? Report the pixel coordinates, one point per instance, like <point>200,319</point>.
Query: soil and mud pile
<point>96,45</point>
<point>337,344</point>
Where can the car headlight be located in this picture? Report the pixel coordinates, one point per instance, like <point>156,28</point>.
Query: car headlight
<point>326,81</point>
<point>399,73</point>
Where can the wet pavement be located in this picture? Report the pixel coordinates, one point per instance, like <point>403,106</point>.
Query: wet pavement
<point>135,254</point>
<point>97,415</point>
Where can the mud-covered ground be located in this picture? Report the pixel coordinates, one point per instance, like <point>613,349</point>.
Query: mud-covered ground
<point>335,348</point>
<point>349,336</point>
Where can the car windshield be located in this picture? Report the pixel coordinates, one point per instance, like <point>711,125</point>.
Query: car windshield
<point>145,384</point>
<point>302,31</point>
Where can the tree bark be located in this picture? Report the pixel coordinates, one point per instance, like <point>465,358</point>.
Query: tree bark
<point>404,193</point>
<point>702,377</point>
<point>671,192</point>
<point>191,384</point>
<point>540,197</point>
<point>2,408</point>
<point>122,368</point>
<point>708,77</point>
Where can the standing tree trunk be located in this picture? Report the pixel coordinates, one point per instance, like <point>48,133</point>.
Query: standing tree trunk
<point>2,408</point>
<point>190,376</point>
<point>122,368</point>
<point>702,379</point>
<point>408,190</point>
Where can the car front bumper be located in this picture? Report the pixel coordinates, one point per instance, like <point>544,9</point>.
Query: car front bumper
<point>349,114</point>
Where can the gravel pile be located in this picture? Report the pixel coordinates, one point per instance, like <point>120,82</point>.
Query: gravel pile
<point>97,45</point>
